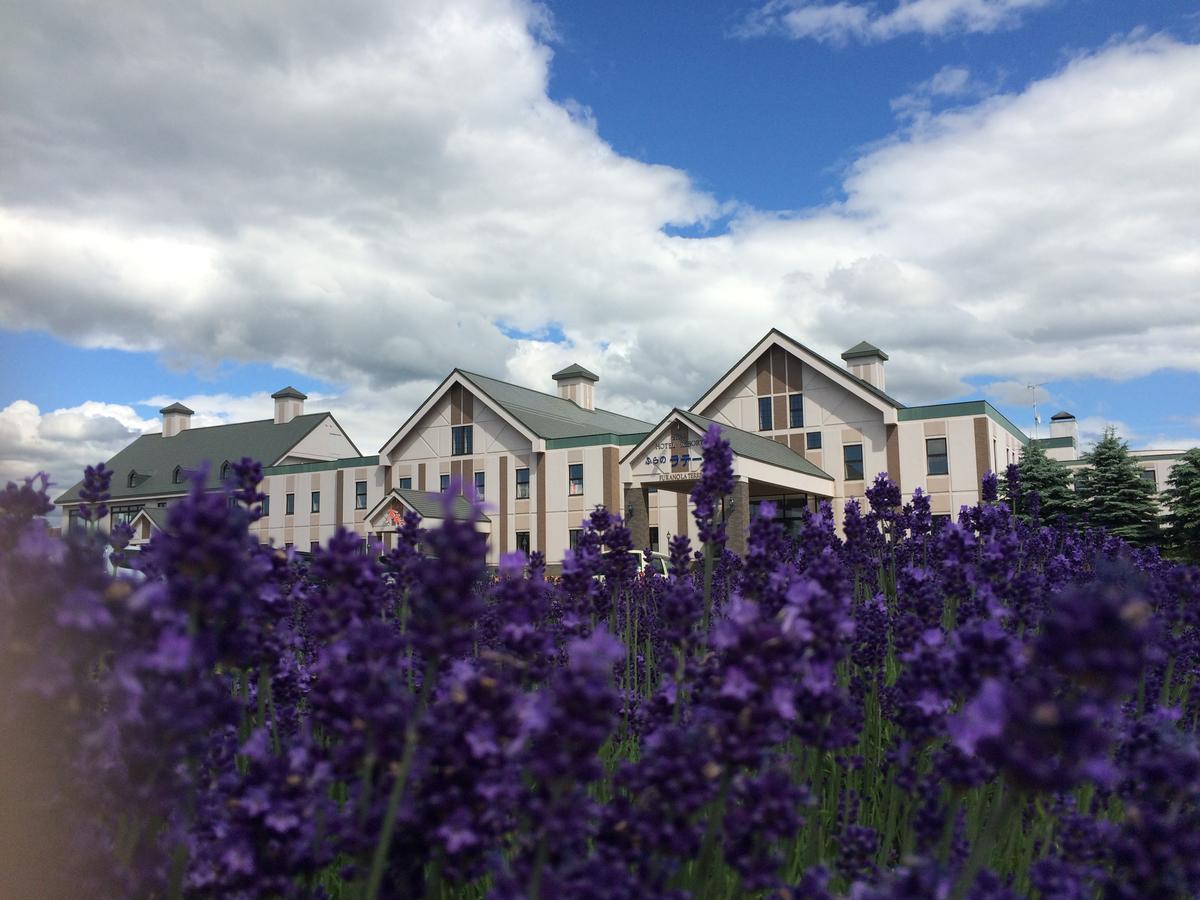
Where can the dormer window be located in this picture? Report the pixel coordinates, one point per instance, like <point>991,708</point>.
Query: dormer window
<point>177,475</point>
<point>225,470</point>
<point>132,480</point>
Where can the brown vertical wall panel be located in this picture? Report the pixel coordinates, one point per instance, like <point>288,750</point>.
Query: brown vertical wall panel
<point>612,480</point>
<point>893,452</point>
<point>778,376</point>
<point>502,541</point>
<point>539,460</point>
<point>795,378</point>
<point>387,479</point>
<point>468,407</point>
<point>456,393</point>
<point>681,513</point>
<point>781,412</point>
<point>796,442</point>
<point>762,374</point>
<point>981,449</point>
<point>420,476</point>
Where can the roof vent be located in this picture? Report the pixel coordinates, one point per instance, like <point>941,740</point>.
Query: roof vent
<point>866,362</point>
<point>176,418</point>
<point>575,383</point>
<point>289,403</point>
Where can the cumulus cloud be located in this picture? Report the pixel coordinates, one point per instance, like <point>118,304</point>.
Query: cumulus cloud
<point>368,194</point>
<point>838,23</point>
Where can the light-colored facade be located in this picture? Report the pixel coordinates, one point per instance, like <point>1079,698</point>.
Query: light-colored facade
<point>803,429</point>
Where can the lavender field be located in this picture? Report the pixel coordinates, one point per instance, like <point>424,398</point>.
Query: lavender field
<point>995,708</point>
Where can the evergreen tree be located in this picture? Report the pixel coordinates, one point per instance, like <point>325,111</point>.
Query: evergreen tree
<point>1114,494</point>
<point>1052,482</point>
<point>1183,503</point>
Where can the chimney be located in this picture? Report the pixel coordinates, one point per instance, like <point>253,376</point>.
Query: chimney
<point>866,361</point>
<point>289,403</point>
<point>176,418</point>
<point>575,383</point>
<point>1063,424</point>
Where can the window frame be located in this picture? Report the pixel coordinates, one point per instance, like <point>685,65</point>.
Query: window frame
<point>522,494</point>
<point>177,475</point>
<point>527,549</point>
<point>846,463</point>
<point>443,484</point>
<point>766,417</point>
<point>289,504</point>
<point>404,484</point>
<point>314,502</point>
<point>796,410</point>
<point>480,483</point>
<point>654,538</point>
<point>574,535</point>
<point>574,482</point>
<point>360,495</point>
<point>265,507</point>
<point>944,456</point>
<point>462,440</point>
<point>808,440</point>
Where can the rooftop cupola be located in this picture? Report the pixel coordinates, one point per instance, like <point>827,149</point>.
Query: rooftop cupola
<point>175,418</point>
<point>1063,424</point>
<point>866,361</point>
<point>575,383</point>
<point>289,403</point>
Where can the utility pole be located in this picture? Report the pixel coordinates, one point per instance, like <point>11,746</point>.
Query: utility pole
<point>1037,420</point>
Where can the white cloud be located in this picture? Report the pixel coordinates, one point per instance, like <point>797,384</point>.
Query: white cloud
<point>363,196</point>
<point>838,23</point>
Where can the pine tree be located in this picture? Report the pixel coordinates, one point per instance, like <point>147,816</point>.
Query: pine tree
<point>1114,494</point>
<point>1052,481</point>
<point>1183,503</point>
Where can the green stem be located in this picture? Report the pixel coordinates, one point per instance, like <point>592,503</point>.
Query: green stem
<point>981,851</point>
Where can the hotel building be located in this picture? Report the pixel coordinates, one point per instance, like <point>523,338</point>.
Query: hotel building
<point>802,428</point>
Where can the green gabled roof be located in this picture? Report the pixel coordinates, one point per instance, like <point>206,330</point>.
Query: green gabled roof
<point>573,370</point>
<point>552,417</point>
<point>755,446</point>
<point>287,393</point>
<point>861,349</point>
<point>156,457</point>
<point>428,504</point>
<point>176,407</point>
<point>156,514</point>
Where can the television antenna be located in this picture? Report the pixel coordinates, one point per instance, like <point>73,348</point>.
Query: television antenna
<point>1037,420</point>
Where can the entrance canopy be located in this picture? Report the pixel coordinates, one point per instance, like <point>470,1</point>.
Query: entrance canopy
<point>431,506</point>
<point>670,459</point>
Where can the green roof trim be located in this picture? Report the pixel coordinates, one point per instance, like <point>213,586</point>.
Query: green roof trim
<point>755,446</point>
<point>552,417</point>
<point>156,457</point>
<point>962,408</point>
<point>426,504</point>
<point>575,370</point>
<point>1149,457</point>
<point>863,349</point>
<point>300,468</point>
<point>1053,443</point>
<point>596,440</point>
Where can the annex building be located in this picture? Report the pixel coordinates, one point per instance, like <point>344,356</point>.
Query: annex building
<point>802,428</point>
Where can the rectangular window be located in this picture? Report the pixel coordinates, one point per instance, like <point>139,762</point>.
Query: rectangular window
<point>812,440</point>
<point>654,538</point>
<point>522,484</point>
<point>75,522</point>
<point>266,506</point>
<point>479,485</point>
<point>1151,476</point>
<point>289,504</point>
<point>573,537</point>
<point>852,456</point>
<point>461,440</point>
<point>936,461</point>
<point>796,411</point>
<point>123,514</point>
<point>406,484</point>
<point>314,546</point>
<point>445,484</point>
<point>764,414</point>
<point>523,542</point>
<point>575,479</point>
<point>360,495</point>
<point>287,546</point>
<point>315,506</point>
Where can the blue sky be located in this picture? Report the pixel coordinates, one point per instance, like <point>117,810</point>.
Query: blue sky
<point>570,182</point>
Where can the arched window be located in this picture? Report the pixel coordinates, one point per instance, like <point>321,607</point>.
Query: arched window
<point>225,470</point>
<point>177,475</point>
<point>132,480</point>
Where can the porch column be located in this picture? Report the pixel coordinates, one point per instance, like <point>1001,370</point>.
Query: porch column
<point>737,516</point>
<point>637,515</point>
